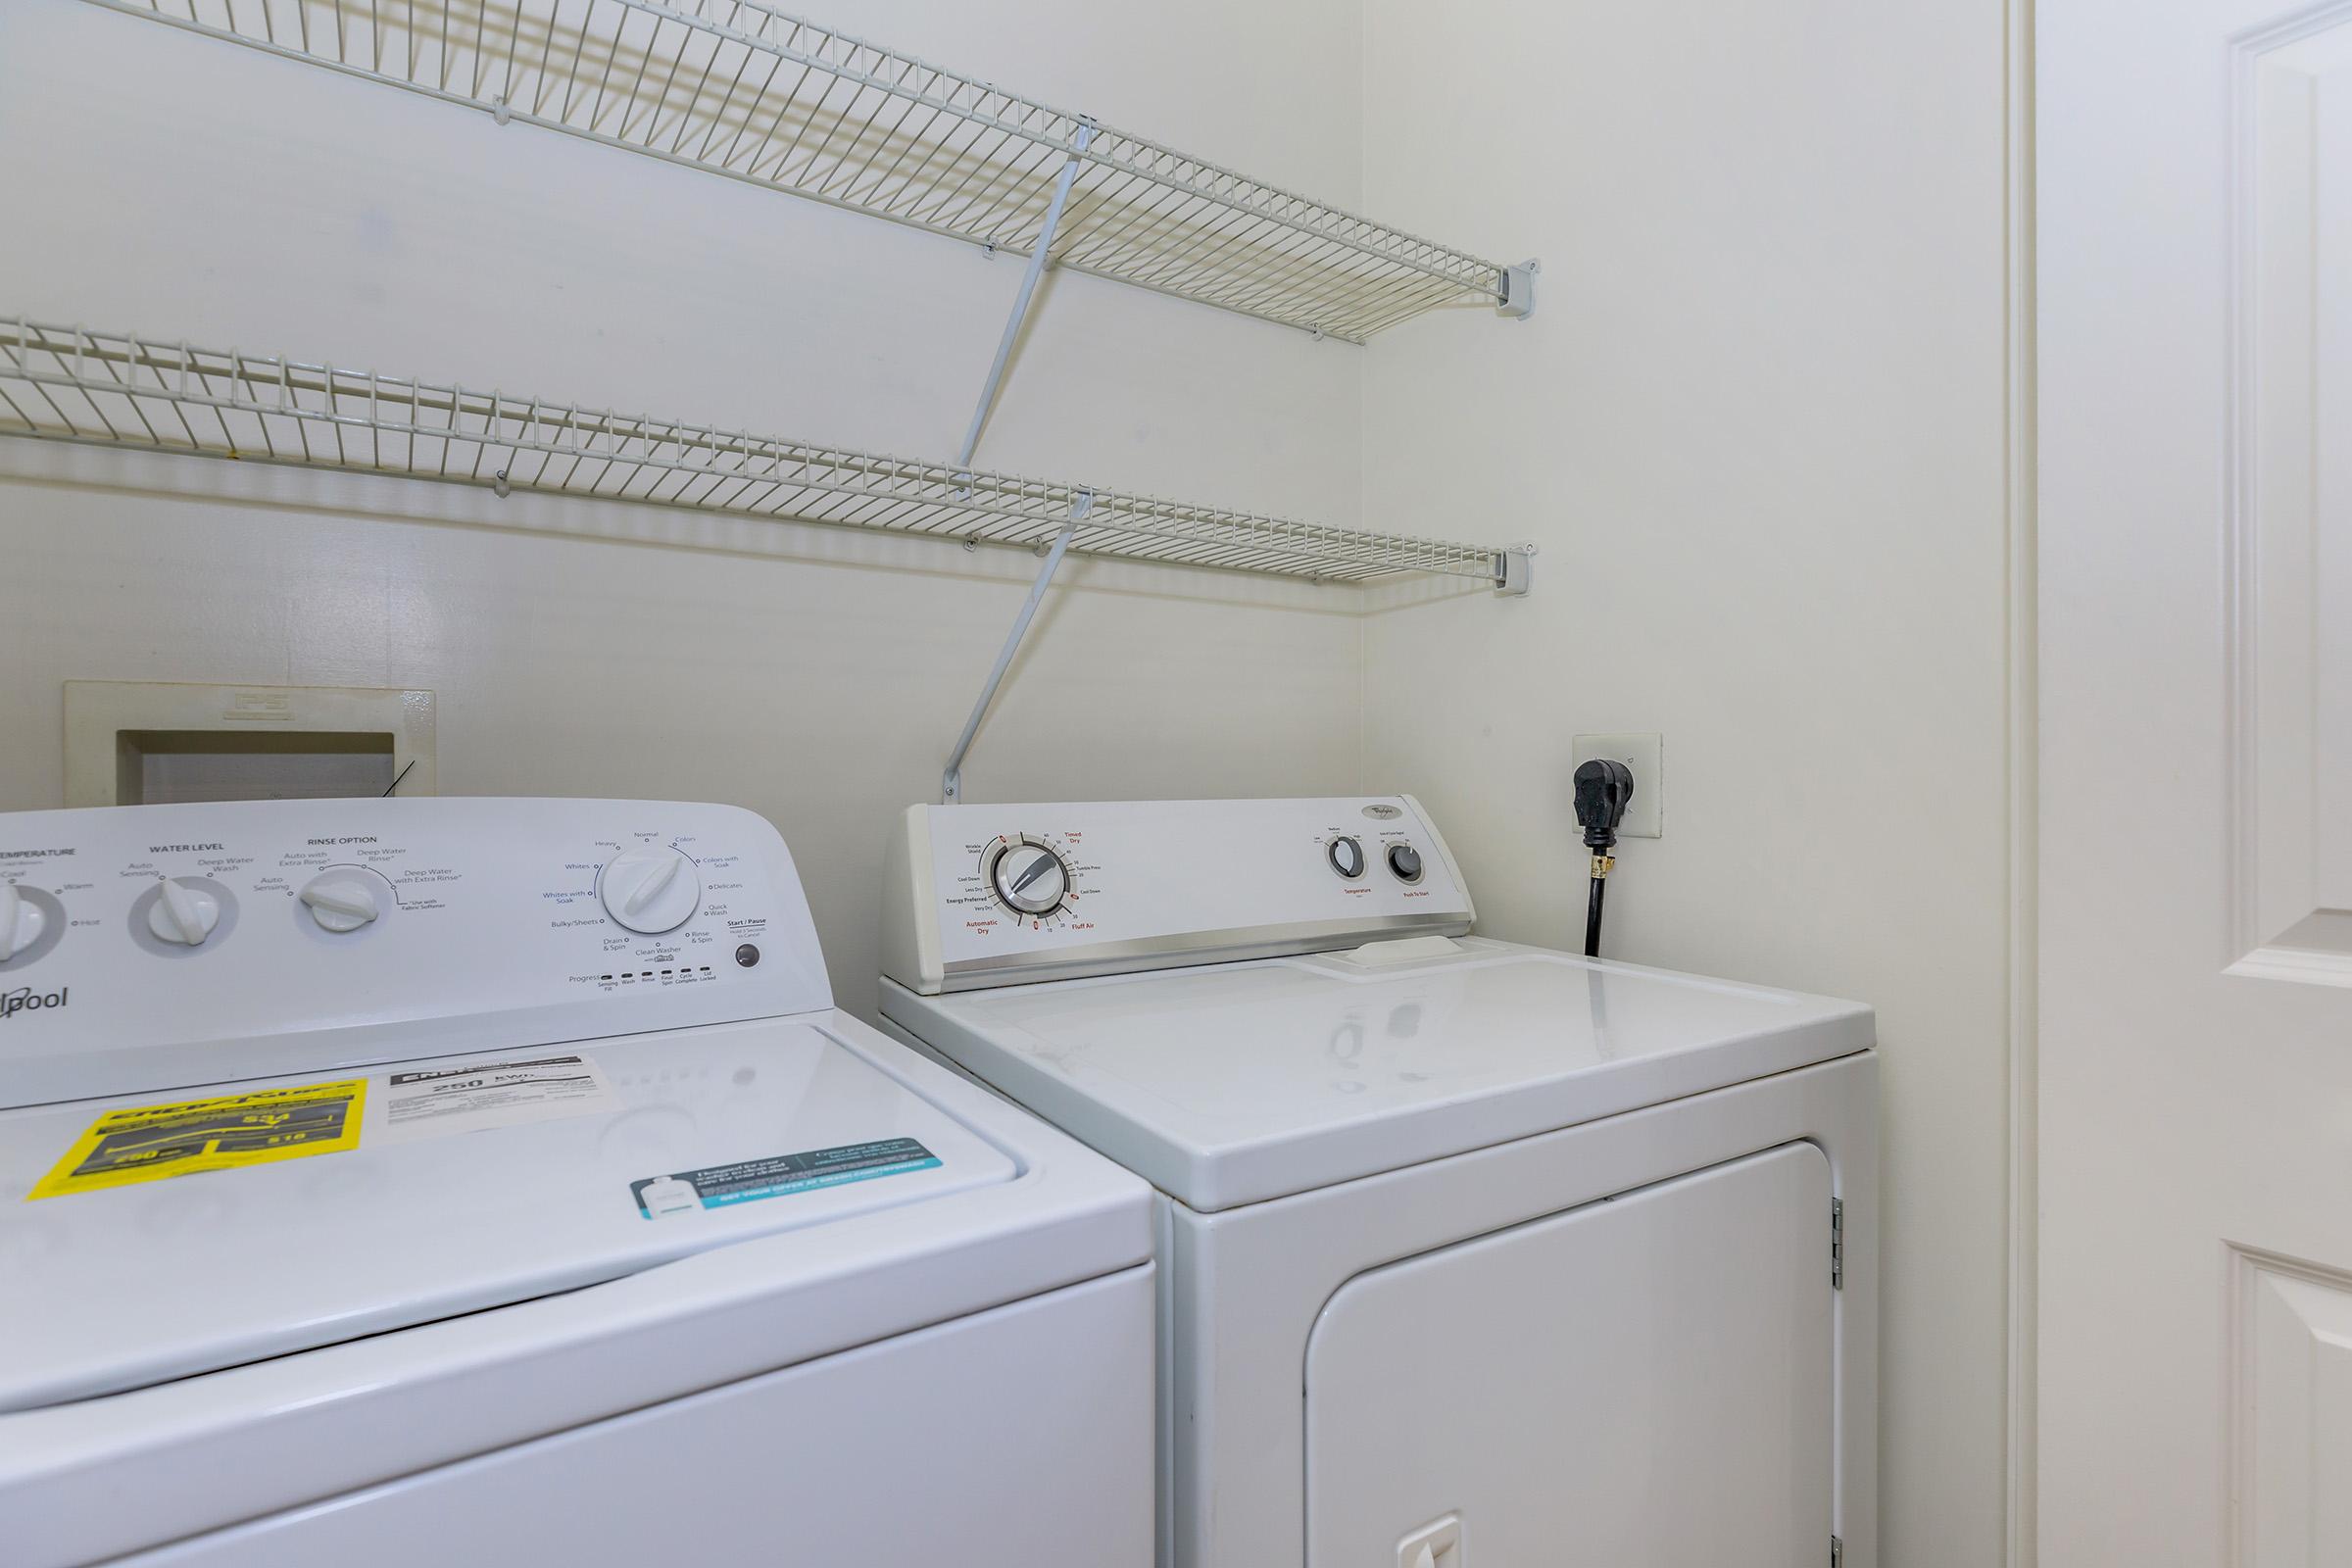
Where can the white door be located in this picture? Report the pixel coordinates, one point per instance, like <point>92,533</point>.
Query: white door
<point>2194,248</point>
<point>1646,1380</point>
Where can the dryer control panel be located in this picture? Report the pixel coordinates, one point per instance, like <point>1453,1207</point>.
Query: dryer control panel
<point>153,947</point>
<point>996,894</point>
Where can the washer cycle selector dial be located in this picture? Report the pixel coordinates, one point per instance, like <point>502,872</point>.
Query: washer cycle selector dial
<point>1405,862</point>
<point>182,913</point>
<point>22,921</point>
<point>344,898</point>
<point>1030,878</point>
<point>1346,856</point>
<point>651,888</point>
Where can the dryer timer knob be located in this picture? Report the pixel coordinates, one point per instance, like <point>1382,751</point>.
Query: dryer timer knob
<point>1029,878</point>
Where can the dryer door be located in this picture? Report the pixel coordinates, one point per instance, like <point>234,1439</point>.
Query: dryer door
<point>1642,1380</point>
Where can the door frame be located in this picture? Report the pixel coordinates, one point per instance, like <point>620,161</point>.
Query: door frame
<point>2022,697</point>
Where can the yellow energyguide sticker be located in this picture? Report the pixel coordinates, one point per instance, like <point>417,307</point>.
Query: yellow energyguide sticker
<point>149,1143</point>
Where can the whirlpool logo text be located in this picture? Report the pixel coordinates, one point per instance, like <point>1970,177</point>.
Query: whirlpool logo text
<point>24,998</point>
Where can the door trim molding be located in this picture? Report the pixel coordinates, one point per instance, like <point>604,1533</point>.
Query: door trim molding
<point>2023,679</point>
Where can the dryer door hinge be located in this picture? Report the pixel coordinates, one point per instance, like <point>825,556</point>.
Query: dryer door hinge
<point>1837,1552</point>
<point>1837,1243</point>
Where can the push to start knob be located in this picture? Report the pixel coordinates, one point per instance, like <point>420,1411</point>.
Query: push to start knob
<point>22,921</point>
<point>1030,878</point>
<point>182,913</point>
<point>343,900</point>
<point>651,888</point>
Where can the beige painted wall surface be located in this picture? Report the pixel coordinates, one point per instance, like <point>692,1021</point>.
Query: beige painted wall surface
<point>1755,427</point>
<point>190,188</point>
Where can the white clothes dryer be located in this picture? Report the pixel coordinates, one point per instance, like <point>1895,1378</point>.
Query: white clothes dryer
<point>1473,1254</point>
<point>489,1181</point>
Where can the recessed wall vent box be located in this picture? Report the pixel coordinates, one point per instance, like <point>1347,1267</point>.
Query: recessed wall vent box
<point>129,743</point>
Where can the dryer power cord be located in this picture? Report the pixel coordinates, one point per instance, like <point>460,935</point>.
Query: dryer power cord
<point>1603,787</point>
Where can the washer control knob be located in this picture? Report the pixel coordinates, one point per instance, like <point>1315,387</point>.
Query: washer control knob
<point>1030,878</point>
<point>182,913</point>
<point>1346,857</point>
<point>342,900</point>
<point>651,888</point>
<point>1405,862</point>
<point>22,921</point>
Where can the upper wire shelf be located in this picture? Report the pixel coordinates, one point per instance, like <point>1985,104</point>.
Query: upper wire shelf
<point>115,389</point>
<point>742,90</point>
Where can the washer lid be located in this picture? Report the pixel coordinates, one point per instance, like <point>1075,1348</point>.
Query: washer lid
<point>120,1287</point>
<point>1229,1084</point>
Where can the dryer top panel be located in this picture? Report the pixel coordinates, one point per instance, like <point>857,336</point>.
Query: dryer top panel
<point>1230,1084</point>
<point>980,896</point>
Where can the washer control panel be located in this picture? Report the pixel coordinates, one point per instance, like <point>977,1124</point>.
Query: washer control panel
<point>153,946</point>
<point>993,895</point>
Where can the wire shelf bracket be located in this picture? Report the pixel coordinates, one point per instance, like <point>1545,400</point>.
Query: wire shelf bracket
<point>950,782</point>
<point>1038,256</point>
<point>739,89</point>
<point>70,383</point>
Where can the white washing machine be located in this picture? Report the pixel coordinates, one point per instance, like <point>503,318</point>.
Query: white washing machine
<point>1473,1254</point>
<point>486,1181</point>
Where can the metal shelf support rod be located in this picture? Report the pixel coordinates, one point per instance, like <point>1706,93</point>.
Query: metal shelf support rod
<point>951,783</point>
<point>1039,258</point>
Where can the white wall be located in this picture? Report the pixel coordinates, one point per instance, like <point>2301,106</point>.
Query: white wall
<point>1755,427</point>
<point>177,186</point>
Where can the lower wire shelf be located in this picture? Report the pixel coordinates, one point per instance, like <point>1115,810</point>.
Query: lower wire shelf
<point>115,389</point>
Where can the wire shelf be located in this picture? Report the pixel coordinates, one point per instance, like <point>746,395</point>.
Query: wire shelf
<point>742,90</point>
<point>115,389</point>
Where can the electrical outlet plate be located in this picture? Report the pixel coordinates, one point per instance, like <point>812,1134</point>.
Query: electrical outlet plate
<point>1645,754</point>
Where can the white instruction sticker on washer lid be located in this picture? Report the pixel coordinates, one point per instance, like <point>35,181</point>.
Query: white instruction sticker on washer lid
<point>435,1102</point>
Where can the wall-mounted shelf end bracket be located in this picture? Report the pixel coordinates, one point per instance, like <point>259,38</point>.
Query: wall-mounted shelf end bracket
<point>1041,257</point>
<point>950,782</point>
<point>1518,293</point>
<point>1513,569</point>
